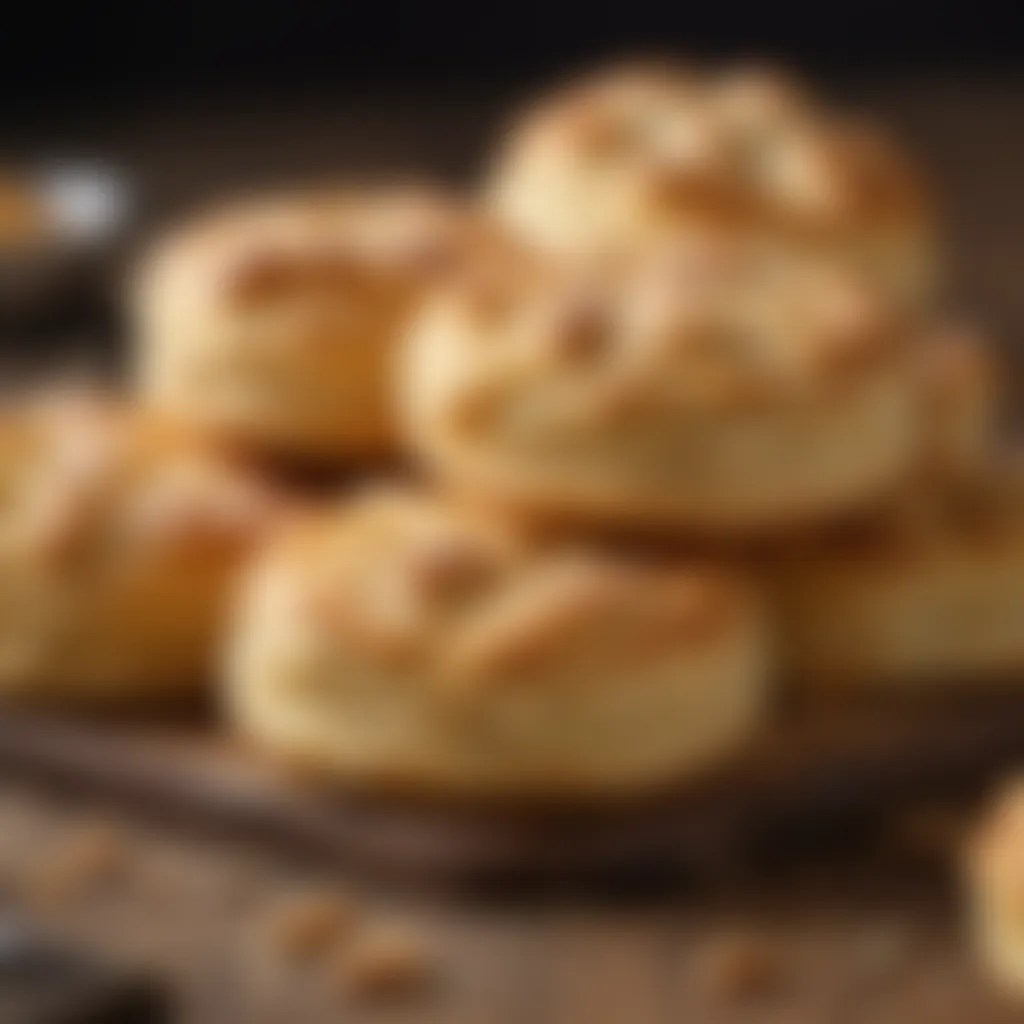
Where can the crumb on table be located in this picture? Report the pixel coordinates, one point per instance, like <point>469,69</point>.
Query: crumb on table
<point>384,960</point>
<point>308,924</point>
<point>90,856</point>
<point>739,965</point>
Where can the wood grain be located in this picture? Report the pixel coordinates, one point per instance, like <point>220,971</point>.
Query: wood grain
<point>813,777</point>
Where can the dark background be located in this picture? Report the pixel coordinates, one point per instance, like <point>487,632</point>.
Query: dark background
<point>122,49</point>
<point>266,85</point>
<point>193,100</point>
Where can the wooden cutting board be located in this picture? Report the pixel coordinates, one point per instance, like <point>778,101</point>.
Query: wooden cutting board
<point>814,776</point>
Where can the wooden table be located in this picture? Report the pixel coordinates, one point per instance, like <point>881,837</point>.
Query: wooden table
<point>875,936</point>
<point>871,936</point>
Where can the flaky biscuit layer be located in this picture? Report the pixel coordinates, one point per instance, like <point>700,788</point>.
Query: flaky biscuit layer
<point>408,642</point>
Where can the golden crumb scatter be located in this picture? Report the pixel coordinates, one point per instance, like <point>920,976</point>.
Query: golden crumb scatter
<point>307,925</point>
<point>87,858</point>
<point>385,960</point>
<point>739,966</point>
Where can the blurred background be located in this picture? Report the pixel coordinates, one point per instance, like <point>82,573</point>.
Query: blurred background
<point>132,114</point>
<point>191,100</point>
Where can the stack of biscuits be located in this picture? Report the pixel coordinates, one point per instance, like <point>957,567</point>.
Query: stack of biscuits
<point>664,422</point>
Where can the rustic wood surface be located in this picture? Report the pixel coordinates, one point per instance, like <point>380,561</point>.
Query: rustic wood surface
<point>876,935</point>
<point>813,776</point>
<point>873,936</point>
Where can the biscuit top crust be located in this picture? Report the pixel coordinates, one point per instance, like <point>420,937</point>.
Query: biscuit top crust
<point>330,247</point>
<point>996,851</point>
<point>413,580</point>
<point>958,366</point>
<point>748,142</point>
<point>85,481</point>
<point>715,322</point>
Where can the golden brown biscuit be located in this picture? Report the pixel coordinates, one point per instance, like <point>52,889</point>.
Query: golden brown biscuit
<point>621,160</point>
<point>995,874</point>
<point>119,537</point>
<point>962,404</point>
<point>929,595</point>
<point>273,324</point>
<point>725,389</point>
<point>404,642</point>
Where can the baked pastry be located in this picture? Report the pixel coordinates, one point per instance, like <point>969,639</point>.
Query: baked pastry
<point>406,643</point>
<point>929,595</point>
<point>995,876</point>
<point>622,159</point>
<point>273,324</point>
<point>725,388</point>
<point>119,538</point>
<point>962,405</point>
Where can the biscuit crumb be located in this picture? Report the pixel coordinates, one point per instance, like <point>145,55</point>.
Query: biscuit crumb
<point>739,966</point>
<point>87,858</point>
<point>306,925</point>
<point>384,961</point>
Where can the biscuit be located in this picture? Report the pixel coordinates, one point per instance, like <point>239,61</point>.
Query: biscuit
<point>928,595</point>
<point>119,540</point>
<point>724,388</point>
<point>272,324</point>
<point>962,404</point>
<point>995,877</point>
<point>406,643</point>
<point>632,155</point>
